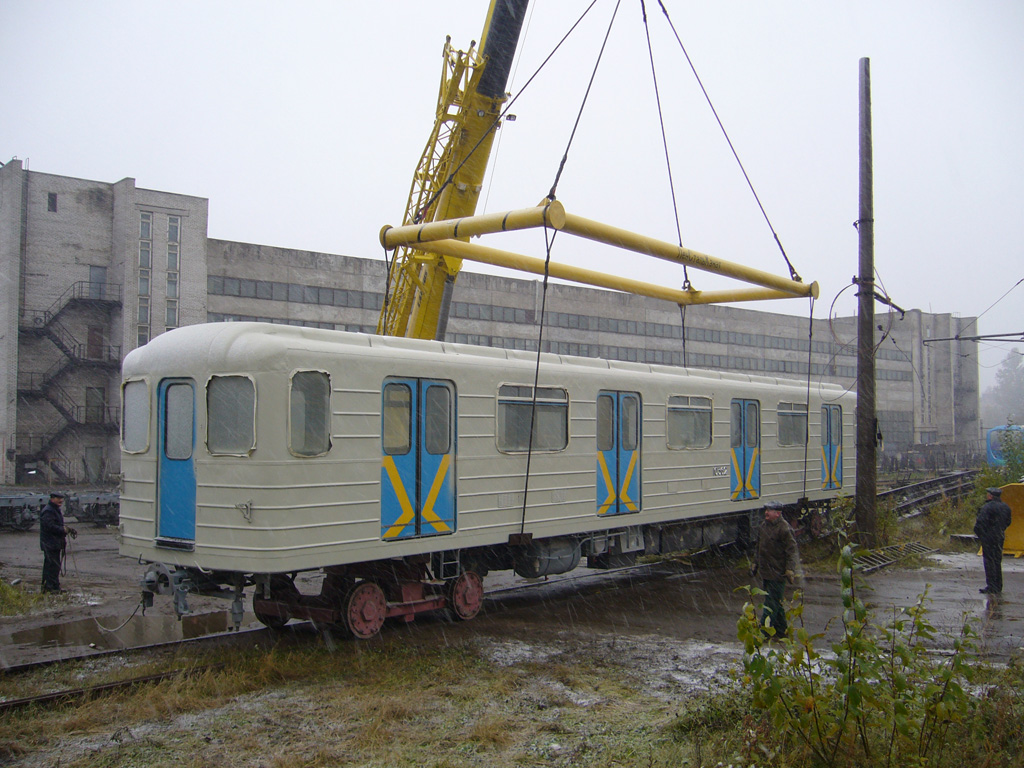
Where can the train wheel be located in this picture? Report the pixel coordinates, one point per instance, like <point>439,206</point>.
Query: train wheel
<point>365,610</point>
<point>466,595</point>
<point>282,589</point>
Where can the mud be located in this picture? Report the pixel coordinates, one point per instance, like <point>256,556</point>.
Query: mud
<point>670,610</point>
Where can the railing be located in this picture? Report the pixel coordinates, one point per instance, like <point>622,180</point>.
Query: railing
<point>85,290</point>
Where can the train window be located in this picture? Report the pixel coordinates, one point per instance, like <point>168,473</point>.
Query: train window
<point>550,422</point>
<point>792,423</point>
<point>437,422</point>
<point>397,419</point>
<point>310,413</point>
<point>630,423</point>
<point>231,415</point>
<point>689,422</point>
<point>135,421</point>
<point>605,422</point>
<point>178,421</point>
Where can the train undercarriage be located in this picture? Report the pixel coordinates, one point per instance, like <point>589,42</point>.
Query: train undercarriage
<point>359,598</point>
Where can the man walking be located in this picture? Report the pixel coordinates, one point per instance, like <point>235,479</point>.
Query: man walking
<point>52,540</point>
<point>990,528</point>
<point>775,561</point>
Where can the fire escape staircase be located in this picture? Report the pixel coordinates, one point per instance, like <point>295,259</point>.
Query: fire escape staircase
<point>46,385</point>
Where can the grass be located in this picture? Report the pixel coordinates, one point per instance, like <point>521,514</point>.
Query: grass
<point>16,601</point>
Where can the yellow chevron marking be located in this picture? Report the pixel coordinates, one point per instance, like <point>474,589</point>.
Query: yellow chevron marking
<point>625,483</point>
<point>608,484</point>
<point>408,513</point>
<point>754,493</point>
<point>428,509</point>
<point>738,474</point>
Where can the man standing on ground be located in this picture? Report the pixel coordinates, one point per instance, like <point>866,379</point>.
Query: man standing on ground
<point>52,540</point>
<point>775,561</point>
<point>990,528</point>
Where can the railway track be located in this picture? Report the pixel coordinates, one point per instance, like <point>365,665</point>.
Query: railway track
<point>918,498</point>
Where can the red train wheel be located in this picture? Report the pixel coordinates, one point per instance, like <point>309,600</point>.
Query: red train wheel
<point>466,595</point>
<point>365,610</point>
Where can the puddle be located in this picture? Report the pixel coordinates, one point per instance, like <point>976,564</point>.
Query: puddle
<point>77,637</point>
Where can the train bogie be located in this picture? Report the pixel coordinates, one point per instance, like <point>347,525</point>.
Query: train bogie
<point>253,451</point>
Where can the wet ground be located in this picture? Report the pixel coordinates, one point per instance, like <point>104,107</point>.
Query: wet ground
<point>671,604</point>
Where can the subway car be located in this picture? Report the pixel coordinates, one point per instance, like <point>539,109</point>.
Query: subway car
<point>404,471</point>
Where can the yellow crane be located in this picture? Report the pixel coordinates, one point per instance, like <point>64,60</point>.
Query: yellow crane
<point>451,170</point>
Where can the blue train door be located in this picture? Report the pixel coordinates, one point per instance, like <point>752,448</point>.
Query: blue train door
<point>619,437</point>
<point>417,478</point>
<point>831,447</point>
<point>176,472</point>
<point>745,442</point>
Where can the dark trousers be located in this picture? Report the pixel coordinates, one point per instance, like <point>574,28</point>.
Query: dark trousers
<point>51,570</point>
<point>773,608</point>
<point>992,554</point>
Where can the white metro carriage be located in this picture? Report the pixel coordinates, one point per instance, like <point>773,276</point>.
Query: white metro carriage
<point>398,468</point>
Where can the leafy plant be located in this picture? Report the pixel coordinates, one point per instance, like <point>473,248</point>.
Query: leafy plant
<point>879,697</point>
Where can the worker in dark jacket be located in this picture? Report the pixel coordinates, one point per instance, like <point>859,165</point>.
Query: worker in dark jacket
<point>775,561</point>
<point>53,534</point>
<point>990,528</point>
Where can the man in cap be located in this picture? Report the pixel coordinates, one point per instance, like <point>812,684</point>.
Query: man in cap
<point>775,561</point>
<point>990,528</point>
<point>52,540</point>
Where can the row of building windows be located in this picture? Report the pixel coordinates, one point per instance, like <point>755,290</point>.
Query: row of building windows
<point>220,317</point>
<point>295,293</point>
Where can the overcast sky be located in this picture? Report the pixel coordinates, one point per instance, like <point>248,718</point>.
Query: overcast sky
<point>302,123</point>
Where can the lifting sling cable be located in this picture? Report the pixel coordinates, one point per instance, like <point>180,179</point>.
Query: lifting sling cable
<point>792,272</point>
<point>583,104</point>
<point>671,183</point>
<point>664,141</point>
<point>549,243</point>
<point>807,434</point>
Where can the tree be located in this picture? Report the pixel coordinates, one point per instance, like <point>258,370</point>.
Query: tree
<point>1003,403</point>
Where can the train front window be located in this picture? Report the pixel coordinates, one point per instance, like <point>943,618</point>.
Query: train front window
<point>397,419</point>
<point>231,415</point>
<point>689,422</point>
<point>792,423</point>
<point>310,413</point>
<point>135,420</point>
<point>550,419</point>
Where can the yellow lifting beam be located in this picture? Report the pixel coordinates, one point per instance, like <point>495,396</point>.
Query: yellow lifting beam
<point>439,237</point>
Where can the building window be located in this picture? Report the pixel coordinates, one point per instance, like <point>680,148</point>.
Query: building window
<point>173,228</point>
<point>172,285</point>
<point>143,336</point>
<point>143,282</point>
<point>172,257</point>
<point>172,314</point>
<point>145,254</point>
<point>145,225</point>
<point>51,202</point>
<point>143,311</point>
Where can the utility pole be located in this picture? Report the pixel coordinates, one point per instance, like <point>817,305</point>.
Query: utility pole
<point>867,479</point>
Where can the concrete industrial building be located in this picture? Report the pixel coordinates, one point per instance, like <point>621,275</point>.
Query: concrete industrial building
<point>91,270</point>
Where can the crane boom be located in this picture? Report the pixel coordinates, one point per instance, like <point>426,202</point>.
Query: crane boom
<point>451,170</point>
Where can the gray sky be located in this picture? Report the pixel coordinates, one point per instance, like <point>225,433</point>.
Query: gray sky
<point>302,123</point>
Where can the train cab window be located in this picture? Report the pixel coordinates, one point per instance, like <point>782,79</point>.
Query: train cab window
<point>310,413</point>
<point>135,421</point>
<point>231,415</point>
<point>550,422</point>
<point>689,422</point>
<point>792,423</point>
<point>397,419</point>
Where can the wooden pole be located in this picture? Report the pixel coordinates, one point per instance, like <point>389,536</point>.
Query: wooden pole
<point>867,479</point>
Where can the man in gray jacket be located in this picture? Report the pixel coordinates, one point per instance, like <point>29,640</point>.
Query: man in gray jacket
<point>775,561</point>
